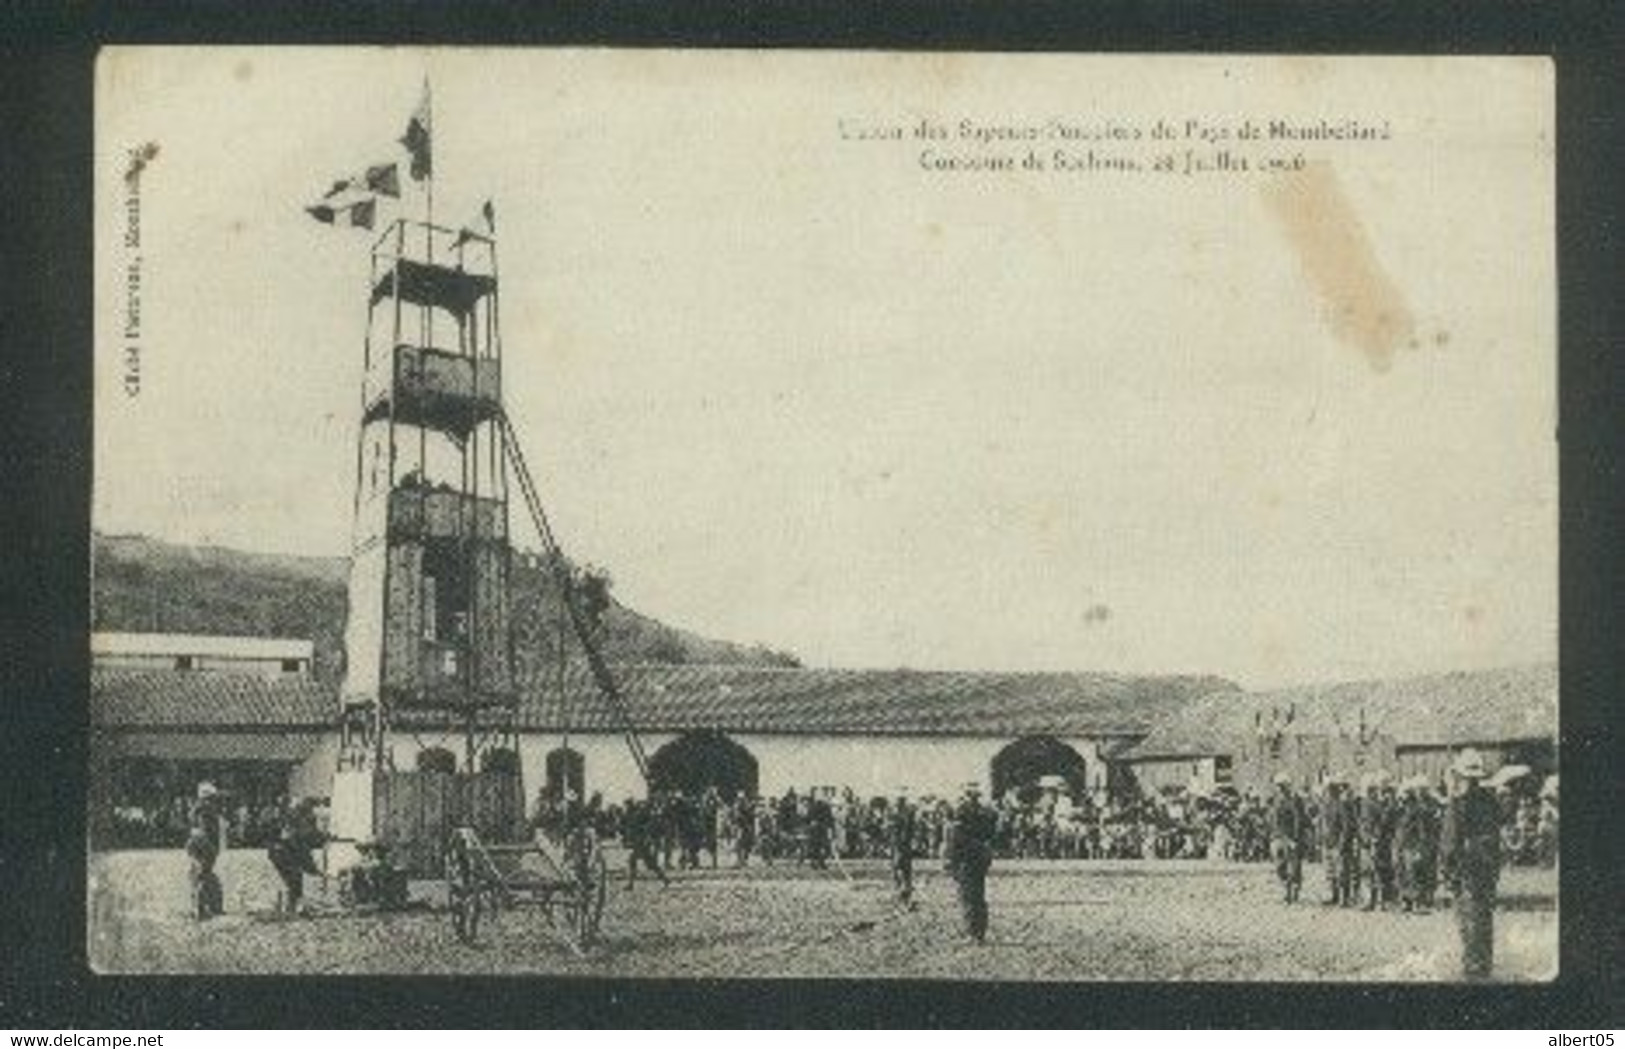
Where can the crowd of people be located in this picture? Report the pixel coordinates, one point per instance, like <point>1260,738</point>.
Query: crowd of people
<point>686,830</point>
<point>165,822</point>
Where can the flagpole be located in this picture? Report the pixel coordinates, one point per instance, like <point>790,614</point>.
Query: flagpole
<point>427,330</point>
<point>428,98</point>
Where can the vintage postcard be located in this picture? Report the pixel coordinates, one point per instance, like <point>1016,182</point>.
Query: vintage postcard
<point>784,514</point>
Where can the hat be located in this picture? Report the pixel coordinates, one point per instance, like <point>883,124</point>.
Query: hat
<point>1469,764</point>
<point>1383,778</point>
<point>206,790</point>
<point>973,787</point>
<point>1417,782</point>
<point>1336,779</point>
<point>1281,779</point>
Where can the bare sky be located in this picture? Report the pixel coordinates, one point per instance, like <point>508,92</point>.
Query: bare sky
<point>798,390</point>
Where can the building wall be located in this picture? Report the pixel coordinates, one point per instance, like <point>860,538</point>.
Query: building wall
<point>869,764</point>
<point>262,667</point>
<point>313,777</point>
<point>607,764</point>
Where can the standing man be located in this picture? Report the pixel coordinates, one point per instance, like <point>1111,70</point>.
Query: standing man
<point>710,816</point>
<point>203,848</point>
<point>969,855</point>
<point>788,825</point>
<point>1288,831</point>
<point>1416,851</point>
<point>1471,858</point>
<point>1369,823</point>
<point>291,852</point>
<point>744,815</point>
<point>900,831</point>
<point>1387,827</point>
<point>638,830</point>
<point>1336,841</point>
<point>820,830</point>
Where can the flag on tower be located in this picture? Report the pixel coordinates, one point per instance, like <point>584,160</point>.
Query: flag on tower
<point>416,139</point>
<point>353,201</point>
<point>383,179</point>
<point>467,234</point>
<point>359,213</point>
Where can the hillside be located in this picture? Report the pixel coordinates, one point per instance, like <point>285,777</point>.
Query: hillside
<point>142,584</point>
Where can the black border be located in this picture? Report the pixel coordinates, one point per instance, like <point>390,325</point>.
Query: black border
<point>45,175</point>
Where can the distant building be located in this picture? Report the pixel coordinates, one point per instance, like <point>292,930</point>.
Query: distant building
<point>262,656</point>
<point>244,713</point>
<point>1406,726</point>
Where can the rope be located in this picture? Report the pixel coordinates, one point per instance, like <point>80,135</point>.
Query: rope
<point>602,675</point>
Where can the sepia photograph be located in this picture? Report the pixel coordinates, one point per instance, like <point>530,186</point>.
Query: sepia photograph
<point>824,514</point>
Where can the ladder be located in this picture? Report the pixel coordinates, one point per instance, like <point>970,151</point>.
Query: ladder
<point>601,673</point>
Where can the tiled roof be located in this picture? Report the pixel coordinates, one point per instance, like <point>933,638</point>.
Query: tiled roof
<point>207,699</point>
<point>234,744</point>
<point>729,698</point>
<point>1453,709</point>
<point>896,702</point>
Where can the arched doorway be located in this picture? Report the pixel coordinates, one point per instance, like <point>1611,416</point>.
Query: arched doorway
<point>704,758</point>
<point>437,759</point>
<point>500,759</point>
<point>1023,763</point>
<point>565,769</point>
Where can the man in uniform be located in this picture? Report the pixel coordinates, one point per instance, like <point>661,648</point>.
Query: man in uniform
<point>1337,841</point>
<point>787,824</point>
<point>685,816</point>
<point>203,848</point>
<point>820,830</point>
<point>1471,858</point>
<point>291,852</point>
<point>1416,847</point>
<point>638,830</point>
<point>1288,830</point>
<point>969,855</point>
<point>744,820</point>
<point>1388,813</point>
<point>710,818</point>
<point>1372,815</point>
<point>900,832</point>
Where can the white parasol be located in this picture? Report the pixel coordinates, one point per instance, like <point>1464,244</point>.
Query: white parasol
<point>1506,774</point>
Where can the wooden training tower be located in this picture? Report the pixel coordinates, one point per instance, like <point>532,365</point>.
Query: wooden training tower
<point>429,641</point>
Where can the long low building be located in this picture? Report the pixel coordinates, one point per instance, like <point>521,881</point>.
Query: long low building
<point>745,728</point>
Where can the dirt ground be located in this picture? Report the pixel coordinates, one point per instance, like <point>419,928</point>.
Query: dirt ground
<point>1111,920</point>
